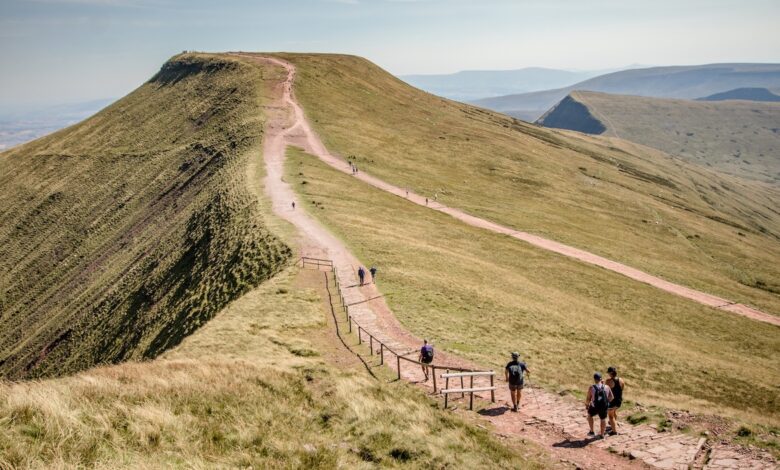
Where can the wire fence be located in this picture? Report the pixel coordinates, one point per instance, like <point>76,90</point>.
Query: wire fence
<point>375,345</point>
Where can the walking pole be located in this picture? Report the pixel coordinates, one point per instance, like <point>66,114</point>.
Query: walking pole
<point>534,394</point>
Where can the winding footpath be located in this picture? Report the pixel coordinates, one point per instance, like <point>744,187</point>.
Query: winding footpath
<point>556,422</point>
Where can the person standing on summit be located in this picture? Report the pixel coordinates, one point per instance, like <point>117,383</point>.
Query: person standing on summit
<point>513,373</point>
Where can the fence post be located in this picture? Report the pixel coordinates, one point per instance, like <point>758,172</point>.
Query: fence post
<point>381,354</point>
<point>360,339</point>
<point>371,344</point>
<point>462,394</point>
<point>492,392</point>
<point>446,387</point>
<point>398,365</point>
<point>471,395</point>
<point>433,368</point>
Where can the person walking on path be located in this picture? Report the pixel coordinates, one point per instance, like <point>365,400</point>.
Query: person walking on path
<point>426,201</point>
<point>513,373</point>
<point>426,357</point>
<point>361,274</point>
<point>617,385</point>
<point>373,274</point>
<point>597,403</point>
<point>293,205</point>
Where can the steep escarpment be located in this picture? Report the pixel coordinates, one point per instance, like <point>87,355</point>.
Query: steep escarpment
<point>572,115</point>
<point>123,234</point>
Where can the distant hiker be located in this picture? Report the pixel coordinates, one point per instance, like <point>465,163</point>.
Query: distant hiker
<point>426,201</point>
<point>361,274</point>
<point>597,403</point>
<point>407,193</point>
<point>373,274</point>
<point>513,373</point>
<point>617,385</point>
<point>293,204</point>
<point>356,169</point>
<point>426,357</point>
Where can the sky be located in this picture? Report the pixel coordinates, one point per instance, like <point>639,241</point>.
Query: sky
<point>65,51</point>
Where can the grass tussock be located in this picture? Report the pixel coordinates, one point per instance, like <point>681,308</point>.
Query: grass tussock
<point>235,394</point>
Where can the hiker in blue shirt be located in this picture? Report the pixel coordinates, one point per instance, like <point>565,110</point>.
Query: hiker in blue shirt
<point>426,357</point>
<point>513,373</point>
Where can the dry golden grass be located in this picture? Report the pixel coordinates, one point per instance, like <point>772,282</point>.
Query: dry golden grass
<point>252,388</point>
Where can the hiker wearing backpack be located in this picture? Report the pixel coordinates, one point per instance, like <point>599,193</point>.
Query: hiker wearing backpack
<point>426,357</point>
<point>617,385</point>
<point>597,403</point>
<point>361,274</point>
<point>514,375</point>
<point>373,274</point>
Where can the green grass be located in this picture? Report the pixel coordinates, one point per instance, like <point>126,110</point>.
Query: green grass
<point>238,394</point>
<point>738,137</point>
<point>481,295</point>
<point>684,223</point>
<point>121,235</point>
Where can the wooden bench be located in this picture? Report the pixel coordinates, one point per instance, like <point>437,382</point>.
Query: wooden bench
<point>471,389</point>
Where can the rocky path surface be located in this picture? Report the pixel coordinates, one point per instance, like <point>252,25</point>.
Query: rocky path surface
<point>556,422</point>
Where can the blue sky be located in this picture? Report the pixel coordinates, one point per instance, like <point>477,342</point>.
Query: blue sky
<point>59,51</point>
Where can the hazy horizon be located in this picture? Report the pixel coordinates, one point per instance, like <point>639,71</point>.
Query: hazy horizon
<point>70,51</point>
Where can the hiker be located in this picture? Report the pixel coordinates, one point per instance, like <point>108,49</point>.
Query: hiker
<point>617,385</point>
<point>597,403</point>
<point>426,357</point>
<point>407,193</point>
<point>373,274</point>
<point>361,274</point>
<point>293,205</point>
<point>513,374</point>
<point>426,201</point>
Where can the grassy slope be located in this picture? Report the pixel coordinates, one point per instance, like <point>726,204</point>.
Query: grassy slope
<point>626,202</point>
<point>481,295</point>
<point>252,388</point>
<point>121,235</point>
<point>738,137</point>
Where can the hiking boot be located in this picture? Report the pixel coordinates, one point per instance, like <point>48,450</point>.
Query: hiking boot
<point>591,434</point>
<point>514,409</point>
<point>613,433</point>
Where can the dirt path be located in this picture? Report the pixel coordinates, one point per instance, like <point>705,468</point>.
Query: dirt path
<point>555,422</point>
<point>301,135</point>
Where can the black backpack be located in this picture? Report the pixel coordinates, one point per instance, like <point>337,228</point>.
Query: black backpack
<point>516,374</point>
<point>600,400</point>
<point>427,354</point>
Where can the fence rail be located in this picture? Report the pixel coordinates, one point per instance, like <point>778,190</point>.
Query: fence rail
<point>375,344</point>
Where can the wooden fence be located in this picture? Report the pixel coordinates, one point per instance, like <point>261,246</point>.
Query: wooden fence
<point>374,344</point>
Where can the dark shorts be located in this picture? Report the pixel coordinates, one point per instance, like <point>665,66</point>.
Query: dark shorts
<point>513,387</point>
<point>426,361</point>
<point>595,411</point>
<point>615,404</point>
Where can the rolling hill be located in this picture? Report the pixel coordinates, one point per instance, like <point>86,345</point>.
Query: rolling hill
<point>474,84</point>
<point>144,233</point>
<point>121,235</point>
<point>689,82</point>
<point>737,137</point>
<point>748,94</point>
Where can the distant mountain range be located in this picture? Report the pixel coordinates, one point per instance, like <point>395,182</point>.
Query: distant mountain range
<point>734,136</point>
<point>687,82</point>
<point>475,84</point>
<point>746,94</point>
